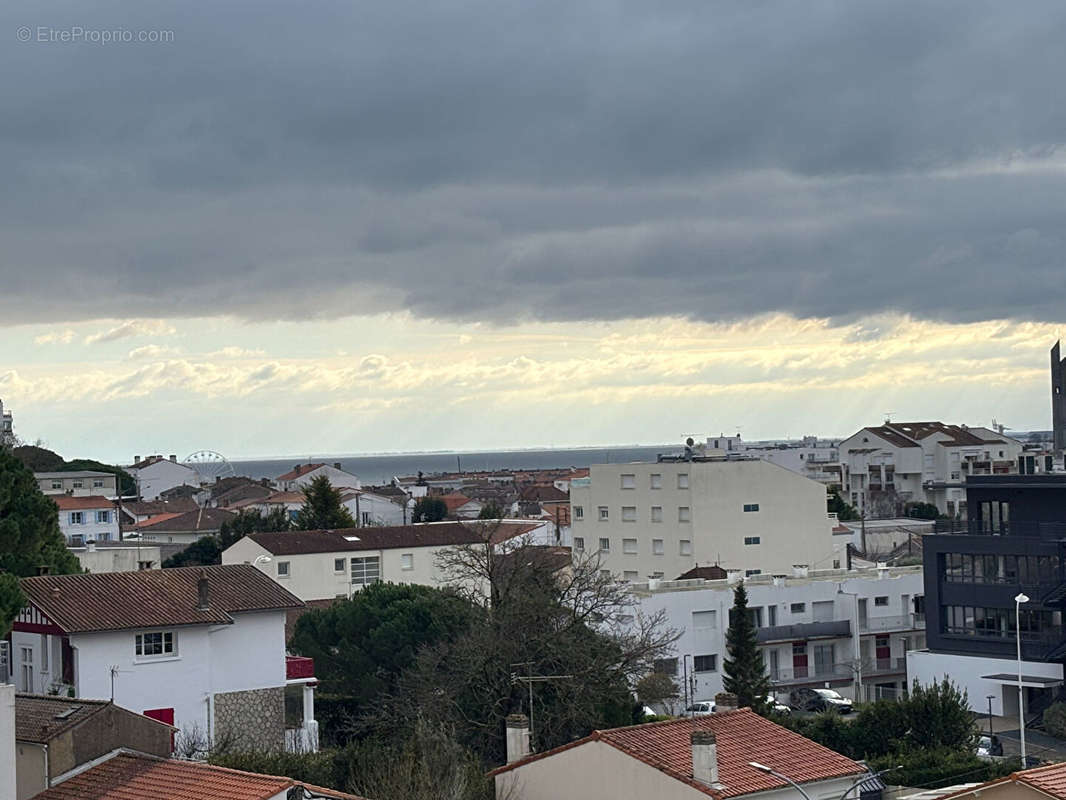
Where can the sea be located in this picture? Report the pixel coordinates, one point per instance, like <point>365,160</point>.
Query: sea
<point>381,469</point>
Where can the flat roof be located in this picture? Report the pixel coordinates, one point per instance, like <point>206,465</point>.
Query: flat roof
<point>1027,680</point>
<point>78,474</point>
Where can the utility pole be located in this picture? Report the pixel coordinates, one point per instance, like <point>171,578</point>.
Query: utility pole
<point>529,679</point>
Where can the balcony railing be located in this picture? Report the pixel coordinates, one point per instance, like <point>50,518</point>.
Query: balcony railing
<point>977,527</point>
<point>804,630</point>
<point>904,622</point>
<point>885,666</point>
<point>811,674</point>
<point>299,668</point>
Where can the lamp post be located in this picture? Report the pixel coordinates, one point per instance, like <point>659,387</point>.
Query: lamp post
<point>989,698</point>
<point>1018,600</point>
<point>856,645</point>
<point>863,779</point>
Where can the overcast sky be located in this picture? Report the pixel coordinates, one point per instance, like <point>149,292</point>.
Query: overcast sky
<point>354,226</point>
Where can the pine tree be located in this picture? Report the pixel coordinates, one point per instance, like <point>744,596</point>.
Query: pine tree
<point>322,509</point>
<point>744,670</point>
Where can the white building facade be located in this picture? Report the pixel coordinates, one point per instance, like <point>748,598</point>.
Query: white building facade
<point>850,630</point>
<point>301,476</point>
<point>660,519</point>
<point>78,484</point>
<point>87,519</point>
<point>155,474</point>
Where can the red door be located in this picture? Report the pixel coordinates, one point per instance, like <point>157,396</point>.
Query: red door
<point>883,653</point>
<point>799,659</point>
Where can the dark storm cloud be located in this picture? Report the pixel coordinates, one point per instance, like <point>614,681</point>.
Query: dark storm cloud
<point>550,160</point>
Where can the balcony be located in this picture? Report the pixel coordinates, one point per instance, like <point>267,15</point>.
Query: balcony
<point>884,666</point>
<point>299,668</point>
<point>905,622</point>
<point>806,675</point>
<point>976,527</point>
<point>833,629</point>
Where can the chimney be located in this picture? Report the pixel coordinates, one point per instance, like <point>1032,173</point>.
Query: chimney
<point>704,757</point>
<point>734,575</point>
<point>800,570</point>
<point>90,546</point>
<point>336,465</point>
<point>43,569</point>
<point>136,459</point>
<point>517,737</point>
<point>173,458</point>
<point>203,592</point>
<point>725,701</point>
<point>7,740</point>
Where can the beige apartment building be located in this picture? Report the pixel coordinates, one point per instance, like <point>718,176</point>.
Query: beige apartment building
<point>659,519</point>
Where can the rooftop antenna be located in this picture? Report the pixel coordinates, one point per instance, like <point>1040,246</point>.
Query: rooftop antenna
<point>888,416</point>
<point>529,679</point>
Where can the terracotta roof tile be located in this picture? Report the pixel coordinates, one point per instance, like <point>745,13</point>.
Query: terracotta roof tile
<point>1050,779</point>
<point>149,598</point>
<point>204,520</point>
<point>130,776</point>
<point>742,736</point>
<point>67,503</point>
<point>436,534</point>
<point>298,471</point>
<point>454,501</point>
<point>40,718</point>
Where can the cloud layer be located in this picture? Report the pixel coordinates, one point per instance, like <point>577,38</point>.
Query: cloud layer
<point>510,161</point>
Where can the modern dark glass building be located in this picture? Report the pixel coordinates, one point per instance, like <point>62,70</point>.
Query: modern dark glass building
<point>1014,543</point>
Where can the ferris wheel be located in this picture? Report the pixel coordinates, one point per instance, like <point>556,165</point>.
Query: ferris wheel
<point>209,465</point>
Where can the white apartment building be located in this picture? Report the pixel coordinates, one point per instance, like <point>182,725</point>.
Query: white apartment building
<point>814,458</point>
<point>850,630</point>
<point>201,648</point>
<point>323,565</point>
<point>121,556</point>
<point>301,476</point>
<point>661,519</point>
<point>7,426</point>
<point>78,484</point>
<point>368,508</point>
<point>155,474</point>
<point>87,519</point>
<point>888,466</point>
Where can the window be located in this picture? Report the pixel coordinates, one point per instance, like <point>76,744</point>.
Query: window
<point>154,644</point>
<point>338,565</point>
<point>881,601</point>
<point>751,507</point>
<point>685,547</point>
<point>77,517</point>
<point>407,561</point>
<point>283,569</point>
<point>629,481</point>
<point>366,570</point>
<point>78,484</point>
<point>579,512</point>
<point>656,480</point>
<point>629,546</point>
<point>57,484</point>
<point>629,513</point>
<point>605,514</point>
<point>145,564</point>
<point>97,483</point>
<point>749,572</point>
<point>605,543</point>
<point>684,514</point>
<point>579,544</point>
<point>705,663</point>
<point>103,516</point>
<point>656,513</point>
<point>704,619</point>
<point>657,576</point>
<point>657,547</point>
<point>682,480</point>
<point>630,576</point>
<point>798,608</point>
<point>366,518</point>
<point>752,540</point>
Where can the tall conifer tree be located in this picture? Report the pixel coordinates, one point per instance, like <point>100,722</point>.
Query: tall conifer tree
<point>744,670</point>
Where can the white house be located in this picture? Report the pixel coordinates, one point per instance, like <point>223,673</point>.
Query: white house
<point>155,474</point>
<point>368,508</point>
<point>887,466</point>
<point>681,759</point>
<point>660,519</point>
<point>322,565</point>
<point>181,528</point>
<point>85,519</point>
<point>78,484</point>
<point>847,629</point>
<point>301,476</point>
<point>122,556</point>
<point>201,648</point>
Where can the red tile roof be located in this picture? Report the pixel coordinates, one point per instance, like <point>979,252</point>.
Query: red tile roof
<point>151,598</point>
<point>130,776</point>
<point>1049,779</point>
<point>41,718</point>
<point>543,494</point>
<point>454,501</point>
<point>742,736</point>
<point>67,503</point>
<point>434,534</point>
<point>206,520</point>
<point>298,471</point>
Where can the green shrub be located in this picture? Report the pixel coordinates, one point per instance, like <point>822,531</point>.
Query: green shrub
<point>936,767</point>
<point>324,768</point>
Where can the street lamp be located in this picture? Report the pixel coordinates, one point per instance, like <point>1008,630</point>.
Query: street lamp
<point>768,771</point>
<point>990,698</point>
<point>856,645</point>
<point>868,776</point>
<point>1021,598</point>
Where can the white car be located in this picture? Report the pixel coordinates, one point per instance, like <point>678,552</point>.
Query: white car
<point>776,705</point>
<point>699,709</point>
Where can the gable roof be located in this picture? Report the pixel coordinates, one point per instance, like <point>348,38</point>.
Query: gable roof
<point>206,520</point>
<point>543,494</point>
<point>298,471</point>
<point>134,776</point>
<point>454,501</point>
<point>742,736</point>
<point>41,718</point>
<point>153,598</point>
<point>433,534</point>
<point>68,503</point>
<point>1049,779</point>
<point>892,436</point>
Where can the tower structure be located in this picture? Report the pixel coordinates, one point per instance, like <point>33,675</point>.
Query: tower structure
<point>1058,399</point>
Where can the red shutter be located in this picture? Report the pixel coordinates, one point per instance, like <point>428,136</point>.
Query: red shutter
<point>162,714</point>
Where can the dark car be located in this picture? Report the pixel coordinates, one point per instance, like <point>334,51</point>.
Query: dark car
<point>818,700</point>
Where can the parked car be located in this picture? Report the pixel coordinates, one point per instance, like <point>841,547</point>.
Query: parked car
<point>818,700</point>
<point>700,709</point>
<point>989,747</point>
<point>776,705</point>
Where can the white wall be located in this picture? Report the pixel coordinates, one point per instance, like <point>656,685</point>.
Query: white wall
<point>117,559</point>
<point>373,509</point>
<point>792,523</point>
<point>7,741</point>
<point>162,475</point>
<point>90,529</point>
<point>337,477</point>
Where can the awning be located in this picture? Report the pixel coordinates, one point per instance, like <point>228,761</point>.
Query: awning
<point>1034,681</point>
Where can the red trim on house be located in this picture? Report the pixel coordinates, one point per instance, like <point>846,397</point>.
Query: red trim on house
<point>36,627</point>
<point>299,667</point>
